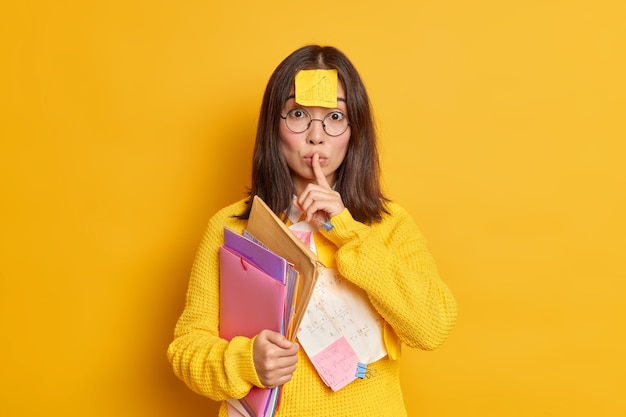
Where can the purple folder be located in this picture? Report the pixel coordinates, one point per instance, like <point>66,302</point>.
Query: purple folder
<point>263,258</point>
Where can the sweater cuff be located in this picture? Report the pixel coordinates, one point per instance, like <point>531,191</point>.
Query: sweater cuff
<point>241,348</point>
<point>345,228</point>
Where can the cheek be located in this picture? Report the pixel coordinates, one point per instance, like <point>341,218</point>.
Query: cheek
<point>288,141</point>
<point>342,145</point>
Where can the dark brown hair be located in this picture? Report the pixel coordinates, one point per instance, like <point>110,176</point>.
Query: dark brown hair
<point>358,177</point>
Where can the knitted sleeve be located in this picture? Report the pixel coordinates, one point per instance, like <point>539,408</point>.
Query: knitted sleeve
<point>391,262</point>
<point>210,365</point>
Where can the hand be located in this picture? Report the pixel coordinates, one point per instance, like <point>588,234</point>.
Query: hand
<point>319,201</point>
<point>275,358</point>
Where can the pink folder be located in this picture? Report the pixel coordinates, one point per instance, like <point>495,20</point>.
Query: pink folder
<point>250,301</point>
<point>267,261</point>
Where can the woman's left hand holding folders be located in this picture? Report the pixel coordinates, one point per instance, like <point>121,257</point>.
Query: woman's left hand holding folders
<point>275,358</point>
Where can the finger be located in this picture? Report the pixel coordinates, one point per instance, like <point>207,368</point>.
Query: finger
<point>305,203</point>
<point>297,203</point>
<point>317,170</point>
<point>277,377</point>
<point>278,380</point>
<point>278,339</point>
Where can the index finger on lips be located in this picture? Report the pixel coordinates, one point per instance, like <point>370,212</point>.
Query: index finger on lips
<point>317,170</point>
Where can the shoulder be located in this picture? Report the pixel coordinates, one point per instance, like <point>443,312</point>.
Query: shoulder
<point>398,222</point>
<point>227,217</point>
<point>231,210</point>
<point>395,213</point>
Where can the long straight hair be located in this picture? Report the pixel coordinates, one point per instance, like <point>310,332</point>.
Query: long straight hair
<point>358,176</point>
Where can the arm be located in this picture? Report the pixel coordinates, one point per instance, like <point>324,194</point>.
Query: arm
<point>208,364</point>
<point>390,261</point>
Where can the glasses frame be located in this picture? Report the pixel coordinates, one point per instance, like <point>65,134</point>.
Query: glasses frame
<point>311,120</point>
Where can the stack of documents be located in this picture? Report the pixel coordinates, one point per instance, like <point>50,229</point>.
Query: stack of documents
<point>254,288</point>
<point>260,289</point>
<point>269,279</point>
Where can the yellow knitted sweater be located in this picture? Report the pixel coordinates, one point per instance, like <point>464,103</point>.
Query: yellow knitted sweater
<point>389,260</point>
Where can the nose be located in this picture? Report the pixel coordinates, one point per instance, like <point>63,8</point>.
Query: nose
<point>315,133</point>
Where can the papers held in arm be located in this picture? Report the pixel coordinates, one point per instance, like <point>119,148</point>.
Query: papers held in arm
<point>332,318</point>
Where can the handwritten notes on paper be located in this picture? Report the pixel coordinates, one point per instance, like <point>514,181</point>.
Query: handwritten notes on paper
<point>340,328</point>
<point>337,364</point>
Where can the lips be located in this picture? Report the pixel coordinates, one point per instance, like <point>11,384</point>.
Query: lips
<point>309,159</point>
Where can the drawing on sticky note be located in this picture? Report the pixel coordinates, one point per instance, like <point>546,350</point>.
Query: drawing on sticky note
<point>316,88</point>
<point>337,364</point>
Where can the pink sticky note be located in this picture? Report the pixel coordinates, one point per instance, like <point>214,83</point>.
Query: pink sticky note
<point>304,236</point>
<point>337,364</point>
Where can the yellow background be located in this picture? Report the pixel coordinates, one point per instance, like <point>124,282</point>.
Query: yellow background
<point>125,124</point>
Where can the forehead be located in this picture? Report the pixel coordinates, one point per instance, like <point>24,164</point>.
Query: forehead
<point>340,91</point>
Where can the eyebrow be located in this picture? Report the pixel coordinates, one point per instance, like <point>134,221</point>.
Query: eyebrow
<point>338,98</point>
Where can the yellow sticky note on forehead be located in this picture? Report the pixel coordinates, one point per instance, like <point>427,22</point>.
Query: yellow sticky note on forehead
<point>317,88</point>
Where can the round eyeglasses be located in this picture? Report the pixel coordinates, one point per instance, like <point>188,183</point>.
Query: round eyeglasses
<point>334,123</point>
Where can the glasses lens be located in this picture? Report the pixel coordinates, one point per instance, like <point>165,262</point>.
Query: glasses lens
<point>297,121</point>
<point>335,123</point>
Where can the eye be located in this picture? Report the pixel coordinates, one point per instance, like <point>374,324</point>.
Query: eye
<point>297,114</point>
<point>335,116</point>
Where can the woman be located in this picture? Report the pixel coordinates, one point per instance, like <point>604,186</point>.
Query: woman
<point>315,160</point>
